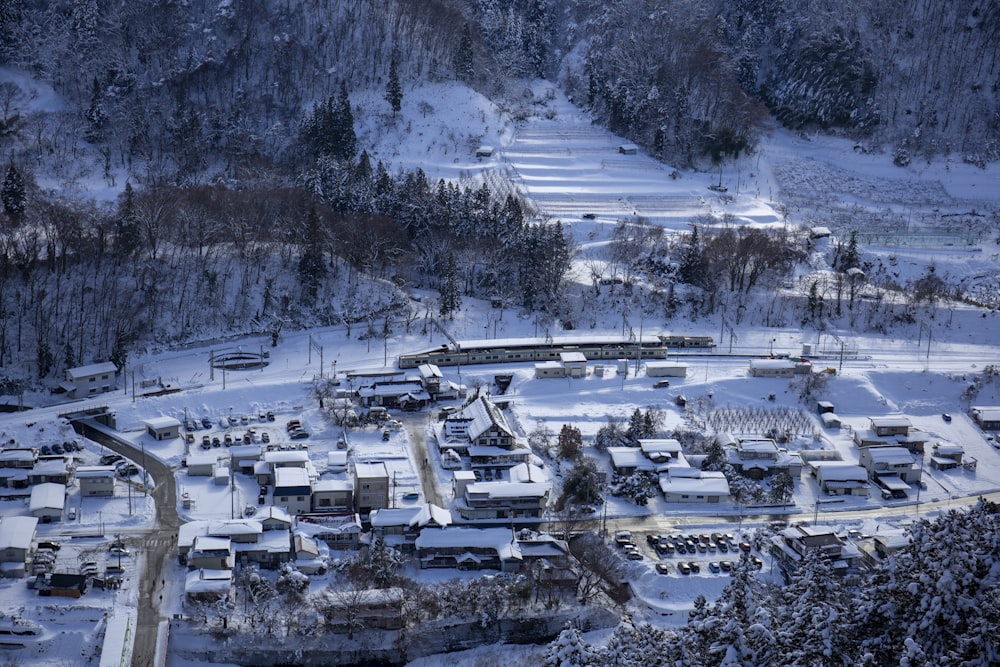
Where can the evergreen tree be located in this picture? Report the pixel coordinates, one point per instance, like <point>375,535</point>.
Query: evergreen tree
<point>393,90</point>
<point>814,303</point>
<point>13,195</point>
<point>692,265</point>
<point>96,114</point>
<point>851,258</point>
<point>570,442</point>
<point>463,60</point>
<point>782,487</point>
<point>451,290</point>
<point>128,236</point>
<point>567,650</point>
<point>582,484</point>
<point>346,141</point>
<point>312,267</point>
<point>813,616</point>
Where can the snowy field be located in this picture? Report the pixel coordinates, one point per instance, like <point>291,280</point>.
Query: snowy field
<point>568,169</point>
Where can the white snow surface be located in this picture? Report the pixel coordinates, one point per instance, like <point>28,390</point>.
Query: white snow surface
<point>568,168</point>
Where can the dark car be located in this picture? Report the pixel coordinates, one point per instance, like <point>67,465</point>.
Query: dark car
<point>45,450</point>
<point>216,442</point>
<point>663,568</point>
<point>694,566</point>
<point>946,417</point>
<point>684,568</point>
<point>298,434</point>
<point>57,449</point>
<point>206,442</point>
<point>206,422</point>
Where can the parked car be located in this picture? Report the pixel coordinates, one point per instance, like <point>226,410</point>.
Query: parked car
<point>663,568</point>
<point>946,417</point>
<point>206,422</point>
<point>216,442</point>
<point>412,495</point>
<point>745,547</point>
<point>293,424</point>
<point>298,434</point>
<point>714,567</point>
<point>206,442</point>
<point>684,568</point>
<point>695,567</point>
<point>757,562</point>
<point>227,440</point>
<point>661,384</point>
<point>49,544</point>
<point>244,419</point>
<point>119,551</point>
<point>45,450</point>
<point>249,510</point>
<point>265,437</point>
<point>270,416</point>
<point>725,565</point>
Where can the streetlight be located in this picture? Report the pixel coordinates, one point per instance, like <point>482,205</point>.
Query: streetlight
<point>770,347</point>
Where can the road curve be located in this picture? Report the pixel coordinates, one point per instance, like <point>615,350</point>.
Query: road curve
<point>156,542</point>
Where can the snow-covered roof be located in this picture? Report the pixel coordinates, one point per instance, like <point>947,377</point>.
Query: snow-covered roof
<point>16,532</point>
<point>47,496</point>
<point>290,477</point>
<point>19,454</point>
<point>835,471</point>
<point>428,371</point>
<point>92,369</point>
<point>95,471</point>
<point>329,485</point>
<point>369,469</point>
<point>158,423</point>
<point>336,458</point>
<point>410,516</point>
<point>526,472</point>
<point>548,365</point>
<point>241,452</point>
<point>629,457</point>
<point>890,455</point>
<point>234,527</point>
<point>772,363</point>
<point>948,449</point>
<point>507,489</point>
<point>208,581</point>
<point>501,539</point>
<point>572,357</point>
<point>274,513</point>
<point>203,459</point>
<point>709,483</point>
<point>484,415</point>
<point>211,543</point>
<point>286,456</point>
<point>890,422</point>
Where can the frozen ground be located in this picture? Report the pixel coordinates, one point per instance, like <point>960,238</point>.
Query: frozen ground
<point>568,168</point>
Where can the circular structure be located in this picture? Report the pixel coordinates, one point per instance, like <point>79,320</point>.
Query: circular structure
<point>240,361</point>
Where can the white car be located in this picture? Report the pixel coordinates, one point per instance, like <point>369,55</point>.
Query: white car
<point>119,551</point>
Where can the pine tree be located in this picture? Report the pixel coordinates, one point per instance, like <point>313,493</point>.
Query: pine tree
<point>346,141</point>
<point>851,257</point>
<point>463,60</point>
<point>312,267</point>
<point>13,195</point>
<point>393,90</point>
<point>568,650</point>
<point>451,290</point>
<point>692,265</point>
<point>127,233</point>
<point>570,442</point>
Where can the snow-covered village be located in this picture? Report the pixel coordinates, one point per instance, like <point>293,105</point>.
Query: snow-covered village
<point>455,362</point>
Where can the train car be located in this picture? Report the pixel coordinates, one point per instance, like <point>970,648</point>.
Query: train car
<point>516,350</point>
<point>672,340</point>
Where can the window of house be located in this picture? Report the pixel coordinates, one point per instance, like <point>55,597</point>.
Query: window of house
<point>684,495</point>
<point>91,379</point>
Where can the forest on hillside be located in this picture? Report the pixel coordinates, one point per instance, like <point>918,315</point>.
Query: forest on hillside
<point>248,203</point>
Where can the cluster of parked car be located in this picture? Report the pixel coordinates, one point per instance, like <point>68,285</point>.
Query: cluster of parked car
<point>623,538</point>
<point>678,544</point>
<point>227,439</point>
<point>230,421</point>
<point>59,449</point>
<point>295,430</point>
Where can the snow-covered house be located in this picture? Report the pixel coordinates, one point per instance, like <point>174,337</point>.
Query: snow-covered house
<point>292,489</point>
<point>772,368</point>
<point>333,496</point>
<point>274,518</point>
<point>478,423</point>
<point>891,432</point>
<point>409,394</point>
<point>400,527</point>
<point>758,458</point>
<point>520,499</point>
<point>790,546</point>
<point>202,464</point>
<point>469,549</point>
<point>376,608</point>
<point>842,479</point>
<point>47,502</point>
<point>49,469</point>
<point>18,457</point>
<point>84,381</point>
<point>629,460</point>
<point>883,462</point>
<point>371,486</point>
<point>17,533</point>
<point>210,552</point>
<point>340,532</point>
<point>693,485</point>
<point>945,456</point>
<point>96,480</point>
<point>162,428</point>
<point>208,585</point>
<point>575,364</point>
<point>987,417</point>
